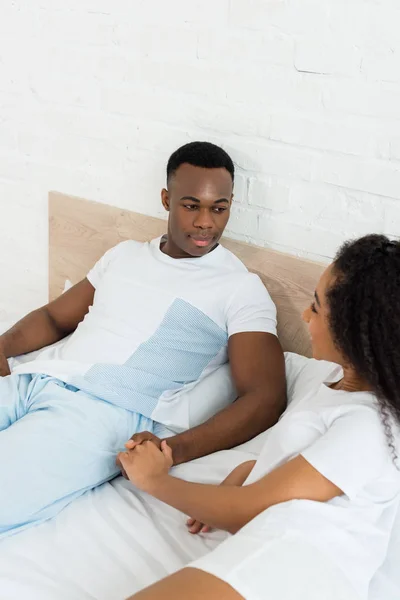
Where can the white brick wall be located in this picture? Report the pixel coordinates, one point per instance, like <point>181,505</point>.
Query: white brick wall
<point>95,95</point>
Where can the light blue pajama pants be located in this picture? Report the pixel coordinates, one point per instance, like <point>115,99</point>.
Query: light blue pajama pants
<point>55,443</point>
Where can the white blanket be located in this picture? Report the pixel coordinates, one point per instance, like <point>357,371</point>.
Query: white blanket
<point>114,540</point>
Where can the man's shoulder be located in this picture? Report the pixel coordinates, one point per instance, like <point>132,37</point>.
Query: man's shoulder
<point>231,262</point>
<point>127,248</point>
<point>238,275</point>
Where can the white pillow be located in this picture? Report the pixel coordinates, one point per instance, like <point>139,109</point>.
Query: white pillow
<point>197,402</point>
<point>210,395</point>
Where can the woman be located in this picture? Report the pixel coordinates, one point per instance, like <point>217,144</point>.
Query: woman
<point>326,485</point>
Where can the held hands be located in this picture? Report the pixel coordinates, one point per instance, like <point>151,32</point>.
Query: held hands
<point>146,464</point>
<point>143,436</point>
<point>135,440</point>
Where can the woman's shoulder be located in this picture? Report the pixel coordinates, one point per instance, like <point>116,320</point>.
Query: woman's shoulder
<point>305,375</point>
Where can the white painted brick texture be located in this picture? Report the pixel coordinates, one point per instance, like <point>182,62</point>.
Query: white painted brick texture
<point>95,95</point>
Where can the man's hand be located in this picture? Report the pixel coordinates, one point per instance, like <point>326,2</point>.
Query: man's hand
<point>146,464</point>
<point>4,367</point>
<point>143,436</point>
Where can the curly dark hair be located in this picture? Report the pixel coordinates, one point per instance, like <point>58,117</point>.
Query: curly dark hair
<point>200,154</point>
<point>364,317</point>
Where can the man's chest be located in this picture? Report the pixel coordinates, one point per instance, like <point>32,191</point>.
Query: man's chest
<point>142,299</point>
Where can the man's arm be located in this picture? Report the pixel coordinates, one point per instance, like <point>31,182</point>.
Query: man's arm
<point>49,323</point>
<point>258,371</point>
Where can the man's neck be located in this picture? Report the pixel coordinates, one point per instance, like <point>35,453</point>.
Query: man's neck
<point>170,249</point>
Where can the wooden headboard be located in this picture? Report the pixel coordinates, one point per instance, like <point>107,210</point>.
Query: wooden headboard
<point>81,231</point>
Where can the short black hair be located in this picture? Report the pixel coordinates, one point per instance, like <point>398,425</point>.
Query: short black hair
<point>364,317</point>
<point>200,154</point>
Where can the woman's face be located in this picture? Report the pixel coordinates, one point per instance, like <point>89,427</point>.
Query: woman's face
<point>316,316</point>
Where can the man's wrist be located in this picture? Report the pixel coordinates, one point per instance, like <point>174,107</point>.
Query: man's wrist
<point>2,345</point>
<point>178,450</point>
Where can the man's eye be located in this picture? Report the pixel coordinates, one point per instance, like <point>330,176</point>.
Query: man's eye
<point>190,206</point>
<point>219,209</point>
<point>313,309</point>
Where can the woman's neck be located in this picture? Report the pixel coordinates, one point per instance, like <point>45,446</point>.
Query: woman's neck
<point>351,382</point>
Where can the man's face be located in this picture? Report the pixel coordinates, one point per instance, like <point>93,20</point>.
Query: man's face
<point>198,201</point>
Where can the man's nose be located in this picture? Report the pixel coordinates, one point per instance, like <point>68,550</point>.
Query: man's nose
<point>203,219</point>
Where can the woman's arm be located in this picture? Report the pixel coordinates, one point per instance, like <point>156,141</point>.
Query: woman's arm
<point>190,584</point>
<point>239,475</point>
<point>236,477</point>
<point>224,507</point>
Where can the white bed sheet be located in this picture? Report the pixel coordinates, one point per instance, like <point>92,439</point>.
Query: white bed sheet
<point>106,545</point>
<point>114,541</point>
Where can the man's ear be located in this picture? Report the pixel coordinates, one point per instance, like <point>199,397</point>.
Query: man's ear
<point>165,199</point>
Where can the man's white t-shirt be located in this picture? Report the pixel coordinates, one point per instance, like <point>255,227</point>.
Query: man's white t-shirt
<point>157,326</point>
<point>342,436</point>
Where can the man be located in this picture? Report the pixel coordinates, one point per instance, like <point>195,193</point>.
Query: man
<point>149,323</point>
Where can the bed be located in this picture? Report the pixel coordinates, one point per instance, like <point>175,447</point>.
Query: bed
<point>114,540</point>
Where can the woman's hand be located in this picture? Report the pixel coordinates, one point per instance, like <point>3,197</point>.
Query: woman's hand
<point>146,465</point>
<point>195,526</point>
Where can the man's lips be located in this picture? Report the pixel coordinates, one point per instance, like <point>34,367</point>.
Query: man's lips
<point>201,241</point>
